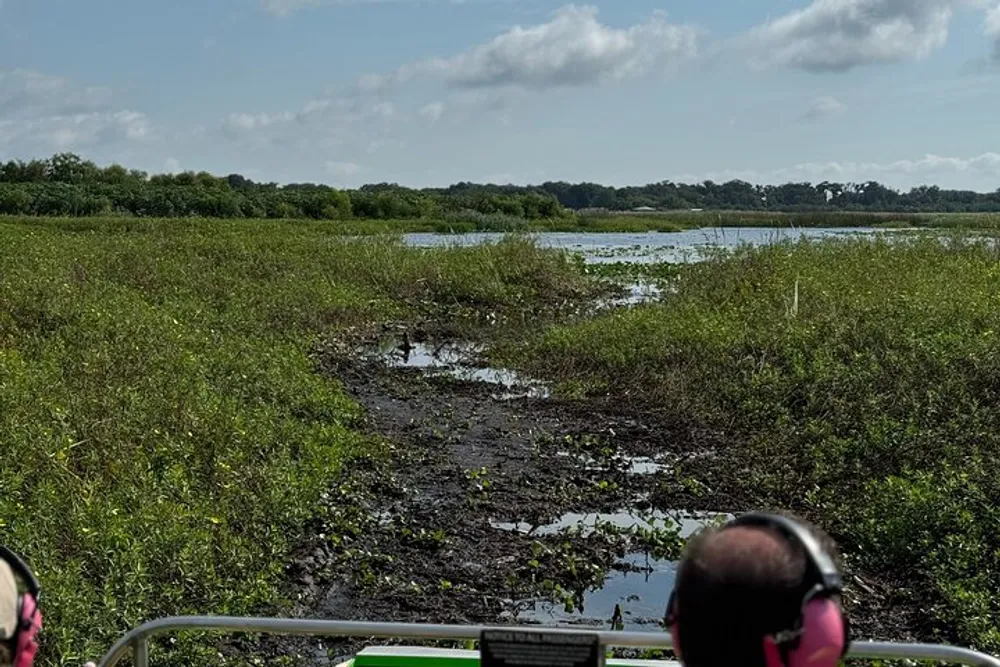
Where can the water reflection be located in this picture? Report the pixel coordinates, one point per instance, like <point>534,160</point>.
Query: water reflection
<point>457,360</point>
<point>650,247</point>
<point>639,586</point>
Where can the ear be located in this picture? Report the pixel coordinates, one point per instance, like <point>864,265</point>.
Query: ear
<point>675,637</point>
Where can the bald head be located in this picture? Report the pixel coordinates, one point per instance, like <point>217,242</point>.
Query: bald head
<point>748,553</point>
<point>735,586</point>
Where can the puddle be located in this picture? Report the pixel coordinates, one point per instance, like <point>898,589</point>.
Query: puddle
<point>425,355</point>
<point>640,588</point>
<point>631,465</point>
<point>643,465</point>
<point>638,293</point>
<point>641,595</point>
<point>688,522</point>
<point>457,360</point>
<point>513,384</point>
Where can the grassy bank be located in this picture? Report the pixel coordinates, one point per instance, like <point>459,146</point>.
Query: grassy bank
<point>163,431</point>
<point>675,221</point>
<point>856,381</point>
<point>667,221</point>
<point>672,221</point>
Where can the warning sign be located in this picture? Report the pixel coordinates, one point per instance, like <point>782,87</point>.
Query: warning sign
<point>531,648</point>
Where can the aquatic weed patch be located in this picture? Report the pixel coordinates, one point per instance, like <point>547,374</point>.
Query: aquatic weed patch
<point>853,380</point>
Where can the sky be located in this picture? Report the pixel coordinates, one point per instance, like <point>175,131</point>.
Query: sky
<point>434,92</point>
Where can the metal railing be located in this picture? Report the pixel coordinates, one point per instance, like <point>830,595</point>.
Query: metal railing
<point>137,640</point>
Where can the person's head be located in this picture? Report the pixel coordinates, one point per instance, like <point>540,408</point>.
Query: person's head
<point>20,618</point>
<point>762,591</point>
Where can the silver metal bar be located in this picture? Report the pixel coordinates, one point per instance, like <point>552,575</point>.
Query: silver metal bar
<point>137,639</point>
<point>140,652</point>
<point>942,652</point>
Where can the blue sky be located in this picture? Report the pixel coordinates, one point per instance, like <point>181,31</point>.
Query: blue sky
<point>431,92</point>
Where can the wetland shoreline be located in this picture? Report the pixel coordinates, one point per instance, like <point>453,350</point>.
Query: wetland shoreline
<point>495,510</point>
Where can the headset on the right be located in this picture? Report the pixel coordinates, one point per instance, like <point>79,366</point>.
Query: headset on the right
<point>820,635</point>
<point>24,643</point>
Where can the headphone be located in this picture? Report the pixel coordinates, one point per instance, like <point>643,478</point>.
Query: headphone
<point>819,636</point>
<point>24,643</point>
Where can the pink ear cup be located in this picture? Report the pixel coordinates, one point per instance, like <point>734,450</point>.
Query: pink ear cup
<point>822,640</point>
<point>821,643</point>
<point>27,638</point>
<point>772,656</point>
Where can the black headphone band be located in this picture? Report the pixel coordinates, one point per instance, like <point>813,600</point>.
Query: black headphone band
<point>828,579</point>
<point>817,558</point>
<point>823,568</point>
<point>21,568</point>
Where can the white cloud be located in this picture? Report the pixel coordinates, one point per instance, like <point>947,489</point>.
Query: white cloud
<point>42,112</point>
<point>249,121</point>
<point>384,110</point>
<point>993,29</point>
<point>839,35</point>
<point>26,94</point>
<point>315,106</point>
<point>993,22</point>
<point>572,49</point>
<point>322,117</point>
<point>172,166</point>
<point>432,111</point>
<point>824,107</point>
<point>77,131</point>
<point>286,7</point>
<point>900,173</point>
<point>378,145</point>
<point>344,168</point>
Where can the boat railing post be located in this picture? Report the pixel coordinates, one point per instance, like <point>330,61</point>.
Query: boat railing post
<point>140,651</point>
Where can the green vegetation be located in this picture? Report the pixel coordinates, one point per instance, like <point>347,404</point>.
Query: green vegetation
<point>792,197</point>
<point>166,436</point>
<point>164,432</point>
<point>67,185</point>
<point>855,381</point>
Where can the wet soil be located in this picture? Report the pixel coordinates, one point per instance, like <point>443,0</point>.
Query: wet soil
<point>443,520</point>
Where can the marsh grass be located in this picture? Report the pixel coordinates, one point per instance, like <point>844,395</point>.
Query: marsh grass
<point>164,433</point>
<point>466,222</point>
<point>855,380</point>
<point>680,220</point>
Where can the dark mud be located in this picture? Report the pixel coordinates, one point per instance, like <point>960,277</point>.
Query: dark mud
<point>460,516</point>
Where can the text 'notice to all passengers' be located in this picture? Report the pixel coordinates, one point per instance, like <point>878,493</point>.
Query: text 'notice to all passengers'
<point>525,648</point>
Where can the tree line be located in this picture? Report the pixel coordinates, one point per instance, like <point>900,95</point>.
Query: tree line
<point>740,195</point>
<point>66,184</point>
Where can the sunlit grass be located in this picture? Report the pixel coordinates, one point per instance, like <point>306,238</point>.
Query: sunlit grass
<point>164,432</point>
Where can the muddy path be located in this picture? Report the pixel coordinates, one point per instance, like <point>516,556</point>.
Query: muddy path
<point>489,504</point>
